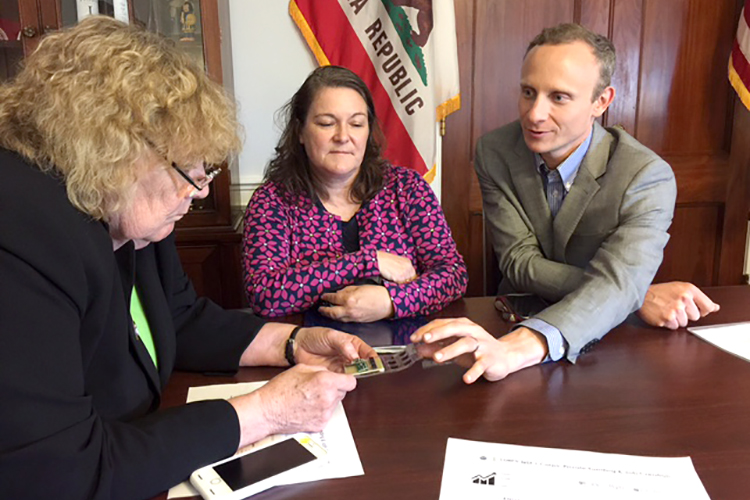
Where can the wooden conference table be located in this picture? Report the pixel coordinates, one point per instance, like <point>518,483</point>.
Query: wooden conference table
<point>640,391</point>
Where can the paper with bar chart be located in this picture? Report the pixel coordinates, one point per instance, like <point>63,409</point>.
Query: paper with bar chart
<point>480,470</point>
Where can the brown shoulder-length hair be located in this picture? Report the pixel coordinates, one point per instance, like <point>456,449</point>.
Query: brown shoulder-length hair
<point>95,99</point>
<point>290,166</point>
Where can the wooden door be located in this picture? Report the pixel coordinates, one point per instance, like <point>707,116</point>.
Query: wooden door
<point>672,94</point>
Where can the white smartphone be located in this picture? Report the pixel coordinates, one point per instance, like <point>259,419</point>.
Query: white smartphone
<point>240,476</point>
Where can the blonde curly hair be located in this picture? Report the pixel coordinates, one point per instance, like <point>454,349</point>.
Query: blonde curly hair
<point>94,99</point>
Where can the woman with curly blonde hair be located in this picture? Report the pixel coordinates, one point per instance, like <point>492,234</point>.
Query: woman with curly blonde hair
<point>106,137</point>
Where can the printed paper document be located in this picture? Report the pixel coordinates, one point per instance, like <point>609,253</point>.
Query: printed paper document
<point>480,471</point>
<point>732,337</point>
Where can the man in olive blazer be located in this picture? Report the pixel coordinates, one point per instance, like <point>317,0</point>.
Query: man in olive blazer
<point>597,257</point>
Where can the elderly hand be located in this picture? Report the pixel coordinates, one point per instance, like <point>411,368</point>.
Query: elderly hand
<point>475,348</point>
<point>302,399</point>
<point>329,348</point>
<point>672,305</point>
<point>395,267</point>
<point>358,304</point>
<point>324,347</point>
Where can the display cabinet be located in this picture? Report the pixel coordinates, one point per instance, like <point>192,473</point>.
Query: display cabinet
<point>208,240</point>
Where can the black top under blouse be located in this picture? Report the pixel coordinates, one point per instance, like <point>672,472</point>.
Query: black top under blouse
<point>350,231</point>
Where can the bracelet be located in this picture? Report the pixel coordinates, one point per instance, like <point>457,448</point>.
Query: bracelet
<point>289,349</point>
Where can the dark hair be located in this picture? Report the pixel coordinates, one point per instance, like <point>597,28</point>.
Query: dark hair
<point>290,166</point>
<point>603,49</point>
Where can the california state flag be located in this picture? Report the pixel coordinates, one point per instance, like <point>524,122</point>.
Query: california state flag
<point>405,51</point>
<point>739,65</point>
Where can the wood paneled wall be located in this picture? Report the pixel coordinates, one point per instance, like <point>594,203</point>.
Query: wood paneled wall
<point>672,94</point>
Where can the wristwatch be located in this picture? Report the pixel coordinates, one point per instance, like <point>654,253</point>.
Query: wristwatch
<point>289,349</point>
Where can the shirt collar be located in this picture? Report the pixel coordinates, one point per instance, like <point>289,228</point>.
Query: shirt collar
<point>569,168</point>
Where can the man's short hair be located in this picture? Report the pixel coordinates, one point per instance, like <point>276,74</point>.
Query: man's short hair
<point>603,49</point>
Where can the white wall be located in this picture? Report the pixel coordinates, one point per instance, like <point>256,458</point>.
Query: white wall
<point>269,61</point>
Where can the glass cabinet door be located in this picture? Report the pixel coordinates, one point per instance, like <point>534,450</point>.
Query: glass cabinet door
<point>72,11</point>
<point>178,20</point>
<point>11,38</point>
<point>24,22</point>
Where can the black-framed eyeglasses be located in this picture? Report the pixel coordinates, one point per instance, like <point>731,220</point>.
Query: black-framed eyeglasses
<point>200,184</point>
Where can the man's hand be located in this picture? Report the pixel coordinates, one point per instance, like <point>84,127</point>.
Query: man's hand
<point>358,304</point>
<point>329,348</point>
<point>395,267</point>
<point>672,305</point>
<point>301,399</point>
<point>473,347</point>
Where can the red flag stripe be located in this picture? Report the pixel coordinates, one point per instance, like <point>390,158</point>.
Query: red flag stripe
<point>342,47</point>
<point>746,12</point>
<point>740,63</point>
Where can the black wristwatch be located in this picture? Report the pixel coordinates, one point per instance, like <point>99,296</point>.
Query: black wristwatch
<point>289,349</point>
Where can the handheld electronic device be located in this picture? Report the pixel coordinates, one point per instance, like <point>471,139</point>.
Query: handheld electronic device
<point>396,358</point>
<point>260,468</point>
<point>516,307</point>
<point>365,367</point>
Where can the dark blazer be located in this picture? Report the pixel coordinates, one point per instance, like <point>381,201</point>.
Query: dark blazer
<point>78,391</point>
<point>598,256</point>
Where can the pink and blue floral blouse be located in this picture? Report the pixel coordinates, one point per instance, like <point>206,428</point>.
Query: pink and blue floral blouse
<point>293,248</point>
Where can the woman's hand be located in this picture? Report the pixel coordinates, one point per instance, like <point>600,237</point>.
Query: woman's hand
<point>314,346</point>
<point>302,399</point>
<point>395,267</point>
<point>358,304</point>
<point>329,348</point>
<point>471,346</point>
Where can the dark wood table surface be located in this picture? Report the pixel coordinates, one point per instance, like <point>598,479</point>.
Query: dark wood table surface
<point>640,391</point>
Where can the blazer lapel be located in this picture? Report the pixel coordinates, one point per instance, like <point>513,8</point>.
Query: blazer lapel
<point>583,190</point>
<point>530,191</point>
<point>127,264</point>
<point>154,306</point>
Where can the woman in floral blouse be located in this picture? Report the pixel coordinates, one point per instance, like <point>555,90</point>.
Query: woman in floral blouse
<point>335,226</point>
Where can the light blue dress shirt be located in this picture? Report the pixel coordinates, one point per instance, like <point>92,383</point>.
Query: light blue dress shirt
<point>557,184</point>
